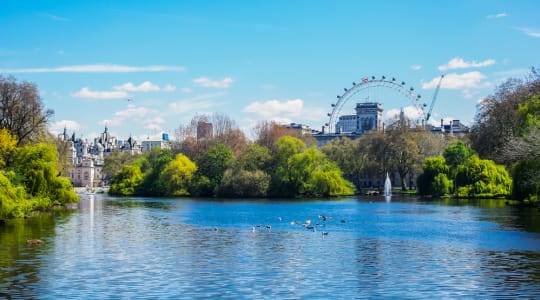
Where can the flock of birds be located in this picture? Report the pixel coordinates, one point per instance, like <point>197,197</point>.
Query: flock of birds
<point>307,224</point>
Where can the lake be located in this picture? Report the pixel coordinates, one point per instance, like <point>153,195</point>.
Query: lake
<point>345,248</point>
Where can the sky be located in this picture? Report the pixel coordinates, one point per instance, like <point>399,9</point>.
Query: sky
<point>142,68</point>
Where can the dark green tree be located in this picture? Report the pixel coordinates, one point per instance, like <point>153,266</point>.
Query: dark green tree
<point>213,162</point>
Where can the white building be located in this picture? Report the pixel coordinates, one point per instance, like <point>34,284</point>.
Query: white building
<point>87,158</point>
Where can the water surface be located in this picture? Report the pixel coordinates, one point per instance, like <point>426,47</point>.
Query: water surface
<point>361,248</point>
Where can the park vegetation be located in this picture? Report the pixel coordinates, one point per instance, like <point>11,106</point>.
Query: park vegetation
<point>277,164</point>
<point>29,163</point>
<point>500,157</point>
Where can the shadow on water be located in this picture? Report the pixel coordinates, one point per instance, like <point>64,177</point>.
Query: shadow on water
<point>19,260</point>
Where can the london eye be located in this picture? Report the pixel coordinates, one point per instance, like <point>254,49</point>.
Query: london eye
<point>376,89</point>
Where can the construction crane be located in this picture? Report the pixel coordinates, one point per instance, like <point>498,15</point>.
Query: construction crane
<point>434,98</point>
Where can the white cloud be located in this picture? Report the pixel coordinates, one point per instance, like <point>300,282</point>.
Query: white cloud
<point>196,103</point>
<point>410,112</point>
<point>87,93</point>
<point>207,82</point>
<point>186,90</point>
<point>280,111</point>
<point>496,16</point>
<point>454,81</point>
<point>58,127</point>
<point>531,32</point>
<point>136,115</point>
<point>416,67</point>
<point>146,86</point>
<point>459,63</point>
<point>169,88</point>
<point>97,68</point>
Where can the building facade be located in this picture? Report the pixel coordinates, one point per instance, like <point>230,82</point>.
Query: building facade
<point>87,158</point>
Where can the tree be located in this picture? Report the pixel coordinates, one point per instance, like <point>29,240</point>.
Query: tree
<point>177,176</point>
<point>404,152</point>
<point>8,143</point>
<point>127,181</point>
<point>244,183</point>
<point>114,161</point>
<point>205,131</point>
<point>457,154</point>
<point>428,183</point>
<point>267,133</point>
<point>36,169</point>
<point>482,178</point>
<point>22,111</point>
<point>152,165</point>
<point>213,163</point>
<point>255,158</point>
<point>499,118</point>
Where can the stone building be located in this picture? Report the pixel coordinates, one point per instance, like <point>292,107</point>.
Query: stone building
<point>87,158</point>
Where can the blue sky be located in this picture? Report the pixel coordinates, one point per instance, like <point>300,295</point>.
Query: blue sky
<point>258,60</point>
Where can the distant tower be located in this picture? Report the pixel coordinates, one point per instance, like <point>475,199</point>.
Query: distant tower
<point>204,130</point>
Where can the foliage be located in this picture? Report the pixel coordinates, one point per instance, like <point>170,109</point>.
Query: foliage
<point>526,179</point>
<point>244,183</point>
<point>114,161</point>
<point>306,172</point>
<point>213,163</point>
<point>503,115</point>
<point>127,181</point>
<point>152,166</point>
<point>32,182</point>
<point>177,176</point>
<point>426,181</point>
<point>8,143</point>
<point>404,152</point>
<point>463,174</point>
<point>482,178</point>
<point>256,157</point>
<point>22,111</point>
<point>457,154</point>
<point>37,169</point>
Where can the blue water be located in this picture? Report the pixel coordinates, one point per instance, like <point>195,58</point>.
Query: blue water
<point>229,249</point>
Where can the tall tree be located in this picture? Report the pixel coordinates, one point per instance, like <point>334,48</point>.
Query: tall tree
<point>22,111</point>
<point>499,119</point>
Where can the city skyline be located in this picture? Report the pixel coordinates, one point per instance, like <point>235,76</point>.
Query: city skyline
<point>145,68</point>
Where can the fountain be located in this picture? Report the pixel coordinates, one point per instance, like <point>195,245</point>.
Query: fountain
<point>387,187</point>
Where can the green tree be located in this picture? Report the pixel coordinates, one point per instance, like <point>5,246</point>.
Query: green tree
<point>500,116</point>
<point>213,162</point>
<point>427,183</point>
<point>256,157</point>
<point>177,176</point>
<point>8,143</point>
<point>482,178</point>
<point>114,161</point>
<point>457,154</point>
<point>404,152</point>
<point>36,168</point>
<point>152,167</point>
<point>244,183</point>
<point>127,181</point>
<point>282,184</point>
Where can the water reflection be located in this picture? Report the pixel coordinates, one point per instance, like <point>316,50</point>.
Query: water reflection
<point>168,248</point>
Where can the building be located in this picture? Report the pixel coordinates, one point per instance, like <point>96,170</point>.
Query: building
<point>453,128</point>
<point>163,143</point>
<point>368,117</point>
<point>301,128</point>
<point>87,158</point>
<point>204,130</point>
